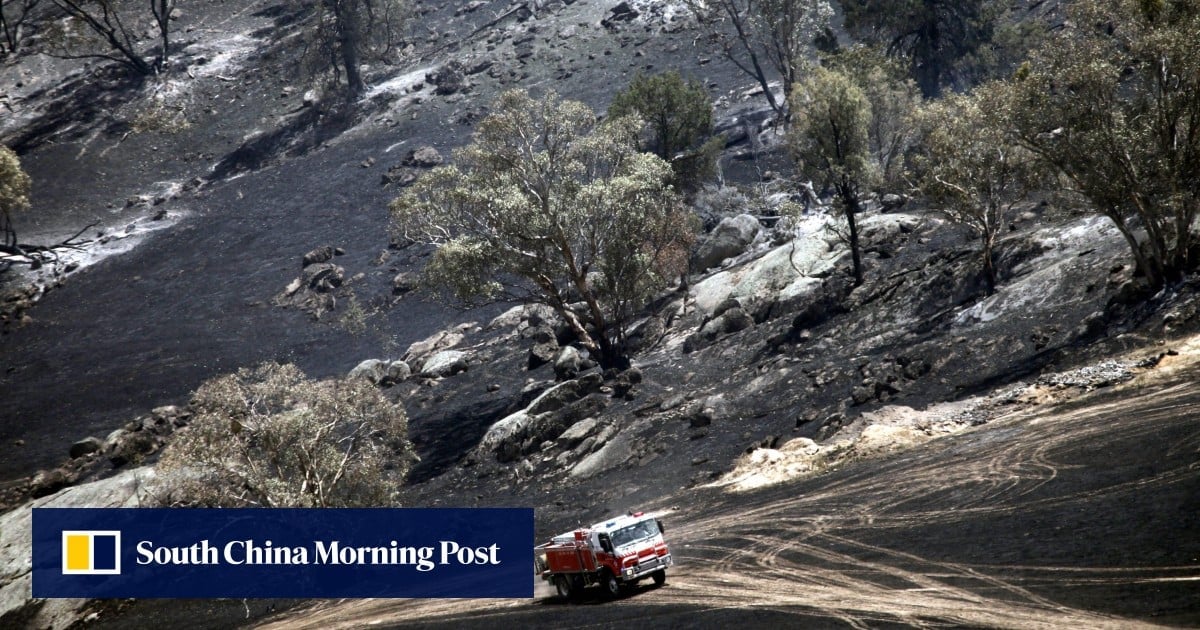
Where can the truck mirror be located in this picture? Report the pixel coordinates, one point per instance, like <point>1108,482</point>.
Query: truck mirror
<point>606,543</point>
<point>660,527</point>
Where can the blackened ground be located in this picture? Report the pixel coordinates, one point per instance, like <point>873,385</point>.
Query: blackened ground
<point>147,327</point>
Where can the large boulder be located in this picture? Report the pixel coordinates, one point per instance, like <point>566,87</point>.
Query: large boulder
<point>422,157</point>
<point>323,277</point>
<point>380,372</point>
<point>318,255</point>
<point>730,238</point>
<point>445,363</point>
<point>781,280</point>
<point>551,413</point>
<point>130,488</point>
<point>568,364</point>
<point>373,370</point>
<point>578,432</point>
<point>616,452</point>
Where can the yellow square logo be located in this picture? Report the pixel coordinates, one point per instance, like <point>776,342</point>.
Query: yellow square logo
<point>91,553</point>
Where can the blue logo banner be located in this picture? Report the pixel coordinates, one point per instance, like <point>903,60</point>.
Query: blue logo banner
<point>194,553</point>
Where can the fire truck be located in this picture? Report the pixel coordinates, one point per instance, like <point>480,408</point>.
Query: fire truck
<point>613,553</point>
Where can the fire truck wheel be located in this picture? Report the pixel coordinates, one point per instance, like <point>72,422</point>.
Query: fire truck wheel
<point>610,584</point>
<point>659,577</point>
<point>562,584</point>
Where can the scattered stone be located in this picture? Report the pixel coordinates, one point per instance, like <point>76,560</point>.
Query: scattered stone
<point>318,255</point>
<point>86,446</point>
<point>568,363</point>
<point>576,433</point>
<point>405,282</point>
<point>448,79</point>
<point>422,157</point>
<point>399,176</point>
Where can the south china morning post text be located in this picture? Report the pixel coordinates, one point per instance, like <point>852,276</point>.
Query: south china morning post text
<point>191,553</point>
<point>239,552</point>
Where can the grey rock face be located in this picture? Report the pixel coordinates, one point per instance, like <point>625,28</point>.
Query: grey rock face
<point>730,238</point>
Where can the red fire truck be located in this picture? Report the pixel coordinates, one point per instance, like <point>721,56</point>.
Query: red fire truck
<point>612,553</point>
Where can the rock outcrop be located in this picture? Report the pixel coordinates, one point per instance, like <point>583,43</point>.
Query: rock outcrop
<point>730,238</point>
<point>131,488</point>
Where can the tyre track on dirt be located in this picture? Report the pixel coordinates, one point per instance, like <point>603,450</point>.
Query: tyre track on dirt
<point>853,546</point>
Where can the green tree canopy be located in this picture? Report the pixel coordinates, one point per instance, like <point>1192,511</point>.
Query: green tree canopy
<point>1112,102</point>
<point>970,169</point>
<point>895,101</point>
<point>14,192</point>
<point>679,117</point>
<point>546,205</point>
<point>935,36</point>
<point>830,141</point>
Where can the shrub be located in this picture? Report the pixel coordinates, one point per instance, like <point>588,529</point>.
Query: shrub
<point>270,437</point>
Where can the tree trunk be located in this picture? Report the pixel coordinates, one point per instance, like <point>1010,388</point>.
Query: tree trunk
<point>163,16</point>
<point>738,21</point>
<point>989,268</point>
<point>851,207</point>
<point>348,42</point>
<point>927,64</point>
<point>1144,264</point>
<point>9,44</point>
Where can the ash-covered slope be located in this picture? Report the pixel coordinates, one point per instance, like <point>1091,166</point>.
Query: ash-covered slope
<point>756,391</point>
<point>225,206</point>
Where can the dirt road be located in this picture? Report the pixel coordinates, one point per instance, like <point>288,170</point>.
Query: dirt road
<point>1083,515</point>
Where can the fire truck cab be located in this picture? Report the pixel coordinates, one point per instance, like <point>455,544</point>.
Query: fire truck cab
<point>613,553</point>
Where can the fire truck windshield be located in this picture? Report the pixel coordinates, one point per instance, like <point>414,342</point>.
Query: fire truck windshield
<point>634,533</point>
